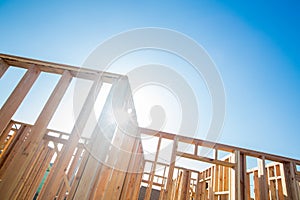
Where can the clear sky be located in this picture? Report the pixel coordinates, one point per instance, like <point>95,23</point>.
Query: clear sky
<point>254,44</point>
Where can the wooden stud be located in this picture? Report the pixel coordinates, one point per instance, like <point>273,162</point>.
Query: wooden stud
<point>262,173</point>
<point>71,172</point>
<point>244,188</point>
<point>67,151</point>
<point>218,146</point>
<point>78,175</point>
<point>171,170</point>
<point>185,185</point>
<point>106,170</point>
<point>3,67</point>
<point>248,186</point>
<point>3,138</point>
<point>29,148</point>
<point>291,183</point>
<point>124,155</point>
<point>17,96</point>
<point>40,174</point>
<point>210,184</point>
<point>32,183</point>
<point>131,182</point>
<point>10,154</point>
<point>152,172</point>
<point>25,186</point>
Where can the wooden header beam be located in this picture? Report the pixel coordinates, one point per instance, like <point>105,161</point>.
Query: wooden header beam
<point>56,68</point>
<point>218,146</point>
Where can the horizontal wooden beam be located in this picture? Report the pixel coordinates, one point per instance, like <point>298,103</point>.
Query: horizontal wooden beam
<point>205,159</point>
<point>218,146</point>
<point>56,68</point>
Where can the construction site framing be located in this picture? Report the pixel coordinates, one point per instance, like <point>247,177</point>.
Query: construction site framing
<point>31,168</point>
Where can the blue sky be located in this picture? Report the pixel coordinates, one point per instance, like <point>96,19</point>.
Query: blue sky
<point>255,46</point>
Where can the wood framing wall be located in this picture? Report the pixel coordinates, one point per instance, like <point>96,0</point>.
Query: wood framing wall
<point>69,165</point>
<point>40,163</point>
<point>227,178</point>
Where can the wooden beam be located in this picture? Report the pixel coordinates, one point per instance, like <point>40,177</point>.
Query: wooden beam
<point>244,182</point>
<point>222,147</point>
<point>56,68</point>
<point>168,193</point>
<point>37,173</point>
<point>17,96</point>
<point>3,143</point>
<point>131,183</point>
<point>78,176</point>
<point>205,159</point>
<point>13,149</point>
<point>30,146</point>
<point>262,178</point>
<point>185,185</point>
<point>125,152</point>
<point>105,172</point>
<point>41,174</point>
<point>152,172</point>
<point>67,151</point>
<point>237,181</point>
<point>3,67</point>
<point>292,186</point>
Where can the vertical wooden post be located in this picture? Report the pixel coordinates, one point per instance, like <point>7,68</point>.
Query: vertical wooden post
<point>131,183</point>
<point>17,96</point>
<point>3,137</point>
<point>71,172</point>
<point>211,183</point>
<point>136,191</point>
<point>198,190</point>
<point>292,186</point>
<point>152,172</point>
<point>171,170</point>
<point>162,189</point>
<point>26,155</point>
<point>216,181</point>
<point>10,154</point>
<point>67,151</point>
<point>77,178</point>
<point>3,67</point>
<point>262,178</point>
<point>244,187</point>
<point>248,194</point>
<point>185,185</point>
<point>40,174</point>
<point>107,169</point>
<point>235,190</point>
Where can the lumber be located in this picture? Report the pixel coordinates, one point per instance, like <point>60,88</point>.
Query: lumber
<point>67,151</point>
<point>3,67</point>
<point>111,165</point>
<point>17,96</point>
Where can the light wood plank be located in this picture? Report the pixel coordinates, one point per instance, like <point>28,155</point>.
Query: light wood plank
<point>30,147</point>
<point>17,96</point>
<point>57,68</point>
<point>205,159</point>
<point>168,192</point>
<point>67,151</point>
<point>152,172</point>
<point>3,67</point>
<point>262,174</point>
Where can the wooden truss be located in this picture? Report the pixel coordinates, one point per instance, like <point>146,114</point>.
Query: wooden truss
<point>40,163</point>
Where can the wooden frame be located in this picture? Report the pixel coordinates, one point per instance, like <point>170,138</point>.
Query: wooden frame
<point>28,151</point>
